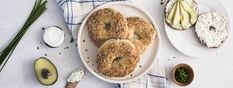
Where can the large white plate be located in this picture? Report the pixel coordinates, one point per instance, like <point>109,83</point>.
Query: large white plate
<point>186,41</point>
<point>88,50</point>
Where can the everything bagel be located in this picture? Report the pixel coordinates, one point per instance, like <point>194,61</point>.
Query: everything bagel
<point>142,33</point>
<point>105,24</point>
<point>117,58</point>
<point>212,29</point>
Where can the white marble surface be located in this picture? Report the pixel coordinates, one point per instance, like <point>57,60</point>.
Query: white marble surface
<point>210,72</point>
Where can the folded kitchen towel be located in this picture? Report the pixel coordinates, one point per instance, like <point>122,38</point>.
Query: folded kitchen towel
<point>76,10</point>
<point>156,78</point>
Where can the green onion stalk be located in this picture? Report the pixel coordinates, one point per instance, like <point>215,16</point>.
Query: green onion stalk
<point>38,9</point>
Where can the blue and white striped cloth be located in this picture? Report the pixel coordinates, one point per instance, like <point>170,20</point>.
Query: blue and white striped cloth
<point>156,78</point>
<point>76,10</point>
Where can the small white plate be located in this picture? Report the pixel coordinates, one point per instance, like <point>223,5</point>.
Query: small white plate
<point>186,41</point>
<point>88,50</point>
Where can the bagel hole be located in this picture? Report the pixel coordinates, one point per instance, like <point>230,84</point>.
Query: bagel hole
<point>212,28</point>
<point>117,58</point>
<point>136,36</point>
<point>107,26</point>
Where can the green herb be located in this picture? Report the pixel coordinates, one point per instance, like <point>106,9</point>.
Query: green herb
<point>181,75</point>
<point>38,9</point>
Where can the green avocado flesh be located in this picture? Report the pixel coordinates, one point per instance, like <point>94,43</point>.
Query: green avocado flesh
<point>45,71</point>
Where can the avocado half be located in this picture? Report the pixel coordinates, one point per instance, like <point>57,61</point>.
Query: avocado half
<point>46,72</point>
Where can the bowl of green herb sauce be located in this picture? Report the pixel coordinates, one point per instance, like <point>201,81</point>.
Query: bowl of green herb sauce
<point>182,74</point>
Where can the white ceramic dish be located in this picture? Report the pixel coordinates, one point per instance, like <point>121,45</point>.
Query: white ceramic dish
<point>186,41</point>
<point>88,50</point>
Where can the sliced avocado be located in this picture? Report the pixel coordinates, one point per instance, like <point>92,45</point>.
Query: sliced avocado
<point>177,17</point>
<point>190,10</point>
<point>184,17</point>
<point>172,12</point>
<point>45,71</point>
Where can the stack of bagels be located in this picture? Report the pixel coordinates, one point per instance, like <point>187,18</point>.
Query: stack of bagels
<point>120,39</point>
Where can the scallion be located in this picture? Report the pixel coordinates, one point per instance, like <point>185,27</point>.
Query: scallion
<point>38,9</point>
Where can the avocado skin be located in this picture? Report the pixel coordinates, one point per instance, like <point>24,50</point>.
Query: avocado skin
<point>40,71</point>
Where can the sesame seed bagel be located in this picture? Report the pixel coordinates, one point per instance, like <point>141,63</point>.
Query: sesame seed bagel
<point>211,29</point>
<point>105,24</point>
<point>143,33</point>
<point>117,58</point>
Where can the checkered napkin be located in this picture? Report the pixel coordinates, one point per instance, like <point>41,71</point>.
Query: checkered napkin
<point>76,10</point>
<point>156,78</point>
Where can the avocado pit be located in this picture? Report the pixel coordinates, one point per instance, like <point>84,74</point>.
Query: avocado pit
<point>45,73</point>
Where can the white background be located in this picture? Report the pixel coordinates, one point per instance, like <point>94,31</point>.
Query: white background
<point>210,72</point>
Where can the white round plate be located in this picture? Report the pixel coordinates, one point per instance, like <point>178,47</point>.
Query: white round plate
<point>88,50</point>
<point>186,41</point>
